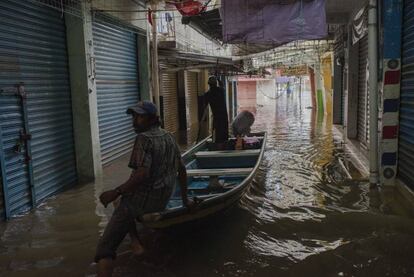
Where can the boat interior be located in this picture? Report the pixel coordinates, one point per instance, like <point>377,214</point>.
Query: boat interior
<point>213,172</point>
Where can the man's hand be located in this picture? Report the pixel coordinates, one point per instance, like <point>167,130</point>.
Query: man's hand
<point>191,203</point>
<point>108,197</point>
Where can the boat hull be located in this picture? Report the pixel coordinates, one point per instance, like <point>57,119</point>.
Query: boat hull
<point>207,207</point>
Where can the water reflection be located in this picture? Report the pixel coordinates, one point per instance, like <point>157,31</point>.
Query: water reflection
<point>301,217</point>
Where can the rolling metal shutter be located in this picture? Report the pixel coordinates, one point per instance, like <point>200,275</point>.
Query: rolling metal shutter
<point>33,53</point>
<point>363,94</point>
<point>116,57</point>
<point>170,101</point>
<point>406,137</point>
<point>191,100</point>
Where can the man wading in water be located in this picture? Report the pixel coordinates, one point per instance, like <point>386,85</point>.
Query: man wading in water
<point>155,162</point>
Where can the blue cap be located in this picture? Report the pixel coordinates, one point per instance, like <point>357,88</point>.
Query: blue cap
<point>143,107</point>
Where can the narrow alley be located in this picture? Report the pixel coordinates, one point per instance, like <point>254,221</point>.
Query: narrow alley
<point>209,138</point>
<point>301,217</point>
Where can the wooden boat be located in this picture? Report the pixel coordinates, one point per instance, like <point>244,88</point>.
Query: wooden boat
<point>235,169</point>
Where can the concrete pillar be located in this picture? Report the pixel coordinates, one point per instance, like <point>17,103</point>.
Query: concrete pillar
<point>313,87</point>
<point>144,68</point>
<point>319,89</point>
<point>83,91</point>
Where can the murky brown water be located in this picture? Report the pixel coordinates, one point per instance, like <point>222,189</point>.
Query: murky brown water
<point>300,218</point>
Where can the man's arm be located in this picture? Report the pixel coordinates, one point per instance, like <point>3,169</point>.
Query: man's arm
<point>136,178</point>
<point>140,161</point>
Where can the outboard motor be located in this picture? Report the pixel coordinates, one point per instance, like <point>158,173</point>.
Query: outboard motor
<point>241,127</point>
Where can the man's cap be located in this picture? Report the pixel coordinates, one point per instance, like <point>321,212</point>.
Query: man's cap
<point>143,107</point>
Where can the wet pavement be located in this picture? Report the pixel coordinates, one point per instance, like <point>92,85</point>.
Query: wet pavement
<point>301,217</point>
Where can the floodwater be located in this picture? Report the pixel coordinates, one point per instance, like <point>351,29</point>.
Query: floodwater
<point>301,217</point>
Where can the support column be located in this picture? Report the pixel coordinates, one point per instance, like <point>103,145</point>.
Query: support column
<point>83,92</point>
<point>144,68</point>
<point>373,90</point>
<point>319,88</point>
<point>155,68</point>
<point>391,76</point>
<point>313,87</point>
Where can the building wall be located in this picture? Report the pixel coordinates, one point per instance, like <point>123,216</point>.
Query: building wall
<point>137,19</point>
<point>246,96</point>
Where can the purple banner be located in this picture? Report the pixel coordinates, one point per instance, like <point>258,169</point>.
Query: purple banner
<point>270,22</point>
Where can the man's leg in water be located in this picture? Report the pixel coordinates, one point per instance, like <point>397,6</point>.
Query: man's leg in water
<point>136,245</point>
<point>119,225</point>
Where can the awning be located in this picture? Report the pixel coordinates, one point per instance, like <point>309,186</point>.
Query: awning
<point>174,60</point>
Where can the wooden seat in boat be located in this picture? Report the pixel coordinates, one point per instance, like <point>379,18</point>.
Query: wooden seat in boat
<point>219,172</point>
<point>228,153</point>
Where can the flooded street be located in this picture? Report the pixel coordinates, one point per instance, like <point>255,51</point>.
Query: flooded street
<point>301,217</point>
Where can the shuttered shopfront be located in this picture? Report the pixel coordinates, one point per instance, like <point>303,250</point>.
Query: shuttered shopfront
<point>170,101</point>
<point>406,137</point>
<point>363,94</point>
<point>37,156</point>
<point>191,100</point>
<point>116,58</point>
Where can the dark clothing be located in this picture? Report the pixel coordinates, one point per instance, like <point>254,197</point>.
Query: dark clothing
<point>216,98</point>
<point>157,151</point>
<point>221,131</point>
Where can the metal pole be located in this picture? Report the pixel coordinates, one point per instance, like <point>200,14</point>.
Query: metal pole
<point>149,68</point>
<point>373,90</point>
<point>155,76</point>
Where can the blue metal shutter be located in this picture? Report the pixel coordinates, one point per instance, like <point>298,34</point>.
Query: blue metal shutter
<point>33,49</point>
<point>117,87</point>
<point>406,138</point>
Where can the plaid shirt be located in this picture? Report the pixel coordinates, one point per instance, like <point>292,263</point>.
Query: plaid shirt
<point>157,151</point>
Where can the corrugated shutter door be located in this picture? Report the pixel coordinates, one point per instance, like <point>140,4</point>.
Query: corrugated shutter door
<point>170,101</point>
<point>33,44</point>
<point>191,83</point>
<point>406,138</point>
<point>363,95</point>
<point>117,87</point>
